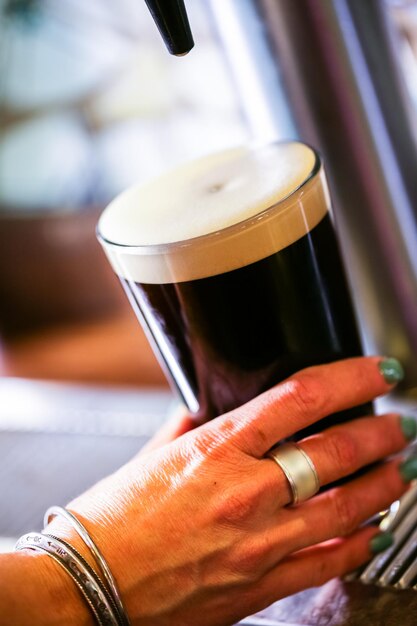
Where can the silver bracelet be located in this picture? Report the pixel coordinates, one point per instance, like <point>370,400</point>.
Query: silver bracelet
<point>54,511</point>
<point>87,581</point>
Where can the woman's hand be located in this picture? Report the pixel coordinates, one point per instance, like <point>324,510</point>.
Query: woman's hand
<point>198,531</point>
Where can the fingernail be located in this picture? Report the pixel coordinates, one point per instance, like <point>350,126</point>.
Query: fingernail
<point>392,370</point>
<point>381,542</point>
<point>408,469</point>
<point>409,427</point>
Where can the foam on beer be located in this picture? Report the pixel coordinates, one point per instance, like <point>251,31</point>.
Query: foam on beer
<point>214,214</point>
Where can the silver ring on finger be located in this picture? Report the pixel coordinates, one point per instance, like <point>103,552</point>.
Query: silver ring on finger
<point>299,470</point>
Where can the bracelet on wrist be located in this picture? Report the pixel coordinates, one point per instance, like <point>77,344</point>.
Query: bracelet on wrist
<point>102,596</point>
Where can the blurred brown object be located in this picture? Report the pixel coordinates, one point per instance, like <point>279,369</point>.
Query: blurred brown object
<point>110,351</point>
<point>53,271</point>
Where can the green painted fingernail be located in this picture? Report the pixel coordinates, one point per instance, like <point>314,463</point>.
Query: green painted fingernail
<point>408,469</point>
<point>392,370</point>
<point>381,542</point>
<point>409,427</point>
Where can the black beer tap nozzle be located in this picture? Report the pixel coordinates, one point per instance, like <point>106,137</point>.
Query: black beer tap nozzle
<point>171,19</point>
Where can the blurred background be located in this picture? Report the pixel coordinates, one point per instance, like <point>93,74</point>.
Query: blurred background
<point>91,102</point>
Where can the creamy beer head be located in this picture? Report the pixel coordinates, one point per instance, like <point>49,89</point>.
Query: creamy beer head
<point>214,214</point>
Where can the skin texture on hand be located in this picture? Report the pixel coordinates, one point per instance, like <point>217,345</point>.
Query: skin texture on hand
<point>198,531</point>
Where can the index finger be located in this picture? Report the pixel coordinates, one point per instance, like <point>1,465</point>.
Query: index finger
<point>307,396</point>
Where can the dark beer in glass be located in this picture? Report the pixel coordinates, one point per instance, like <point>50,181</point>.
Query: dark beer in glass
<point>233,268</point>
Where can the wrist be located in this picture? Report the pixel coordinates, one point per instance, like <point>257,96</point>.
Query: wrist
<point>36,590</point>
<point>61,589</point>
<point>83,541</point>
<point>91,543</point>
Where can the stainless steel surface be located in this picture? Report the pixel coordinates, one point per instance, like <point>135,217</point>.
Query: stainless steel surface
<point>337,61</point>
<point>408,577</point>
<point>255,71</point>
<point>399,562</point>
<point>397,566</point>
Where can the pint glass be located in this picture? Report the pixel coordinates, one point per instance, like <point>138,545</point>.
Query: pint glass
<point>232,266</point>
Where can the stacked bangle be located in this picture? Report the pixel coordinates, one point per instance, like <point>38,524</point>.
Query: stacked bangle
<point>86,580</point>
<point>103,599</point>
<point>54,511</point>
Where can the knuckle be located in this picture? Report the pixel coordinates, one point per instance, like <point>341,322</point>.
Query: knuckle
<point>346,513</point>
<point>227,427</point>
<point>209,440</point>
<point>247,564</point>
<point>234,509</point>
<point>205,441</point>
<point>253,437</point>
<point>343,450</point>
<point>306,392</point>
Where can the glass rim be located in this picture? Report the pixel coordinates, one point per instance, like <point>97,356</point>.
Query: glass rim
<point>163,248</point>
